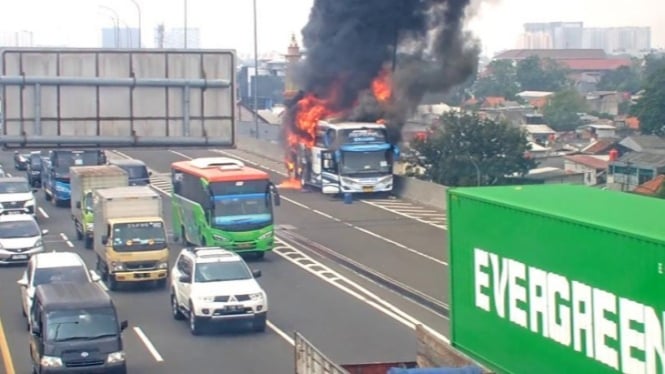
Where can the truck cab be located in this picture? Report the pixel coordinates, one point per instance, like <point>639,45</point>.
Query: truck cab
<point>56,183</point>
<point>130,236</point>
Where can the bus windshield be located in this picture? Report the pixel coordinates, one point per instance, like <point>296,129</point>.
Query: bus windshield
<point>241,209</point>
<point>364,162</point>
<point>139,236</point>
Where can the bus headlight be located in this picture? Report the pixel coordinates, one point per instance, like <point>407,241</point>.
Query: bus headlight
<point>220,238</point>
<point>266,235</point>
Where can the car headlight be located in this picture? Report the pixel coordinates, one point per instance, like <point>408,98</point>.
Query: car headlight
<point>117,266</point>
<point>266,235</point>
<point>256,296</point>
<point>39,243</point>
<point>30,202</point>
<point>50,362</point>
<point>115,357</point>
<point>220,238</point>
<point>206,299</point>
<point>163,265</point>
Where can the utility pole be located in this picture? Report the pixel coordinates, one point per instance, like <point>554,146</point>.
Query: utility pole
<point>256,76</point>
<point>185,30</point>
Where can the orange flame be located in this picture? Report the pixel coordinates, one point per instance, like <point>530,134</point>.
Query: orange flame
<point>311,109</point>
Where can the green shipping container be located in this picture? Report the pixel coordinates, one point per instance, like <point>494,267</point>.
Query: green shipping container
<point>558,279</point>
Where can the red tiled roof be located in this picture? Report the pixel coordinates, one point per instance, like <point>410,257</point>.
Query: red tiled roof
<point>599,146</point>
<point>651,187</point>
<point>587,160</point>
<point>594,64</point>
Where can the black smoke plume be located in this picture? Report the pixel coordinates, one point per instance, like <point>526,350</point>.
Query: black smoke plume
<point>351,41</point>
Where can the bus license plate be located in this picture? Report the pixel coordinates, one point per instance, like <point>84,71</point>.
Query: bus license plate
<point>244,245</point>
<point>368,188</point>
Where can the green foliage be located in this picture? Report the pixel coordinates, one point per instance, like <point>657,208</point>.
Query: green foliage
<point>469,150</point>
<point>624,107</point>
<point>650,108</point>
<point>652,63</point>
<point>625,79</point>
<point>534,74</point>
<point>560,113</point>
<point>501,81</point>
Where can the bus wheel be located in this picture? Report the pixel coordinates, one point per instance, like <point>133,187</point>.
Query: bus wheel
<point>260,255</point>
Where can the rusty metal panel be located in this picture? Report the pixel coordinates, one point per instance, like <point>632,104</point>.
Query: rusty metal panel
<point>163,116</point>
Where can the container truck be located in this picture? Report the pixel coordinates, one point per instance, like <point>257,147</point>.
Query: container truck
<point>346,157</point>
<point>557,279</point>
<point>434,356</point>
<point>130,236</point>
<point>84,180</point>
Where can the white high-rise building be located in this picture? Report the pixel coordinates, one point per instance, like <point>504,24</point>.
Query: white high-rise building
<point>175,37</point>
<point>16,38</point>
<point>122,37</point>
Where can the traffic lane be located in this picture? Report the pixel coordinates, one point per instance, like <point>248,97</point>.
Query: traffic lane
<point>395,262</point>
<point>61,231</point>
<point>344,328</point>
<point>424,238</point>
<point>330,318</point>
<point>148,309</point>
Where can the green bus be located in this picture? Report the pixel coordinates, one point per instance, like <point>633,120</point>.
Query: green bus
<point>220,202</point>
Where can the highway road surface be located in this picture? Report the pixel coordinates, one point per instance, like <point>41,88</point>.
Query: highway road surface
<point>352,278</point>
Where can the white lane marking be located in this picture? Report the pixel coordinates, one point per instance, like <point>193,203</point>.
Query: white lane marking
<point>280,332</point>
<point>101,282</point>
<point>42,212</point>
<point>411,216</point>
<point>303,261</point>
<point>9,175</point>
<point>66,239</point>
<point>326,215</point>
<point>148,344</point>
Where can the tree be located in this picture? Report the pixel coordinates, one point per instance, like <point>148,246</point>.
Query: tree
<point>652,63</point>
<point>501,81</point>
<point>561,111</point>
<point>650,108</point>
<point>534,74</point>
<point>468,150</point>
<point>625,79</point>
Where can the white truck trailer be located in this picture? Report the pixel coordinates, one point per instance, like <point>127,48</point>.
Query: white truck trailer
<point>84,180</point>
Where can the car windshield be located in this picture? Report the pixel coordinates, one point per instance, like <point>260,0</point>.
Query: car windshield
<point>81,324</point>
<point>139,236</point>
<point>19,229</point>
<point>14,187</point>
<point>75,274</point>
<point>221,271</point>
<point>363,162</point>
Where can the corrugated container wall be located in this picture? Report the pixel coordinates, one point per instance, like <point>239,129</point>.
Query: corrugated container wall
<point>558,279</point>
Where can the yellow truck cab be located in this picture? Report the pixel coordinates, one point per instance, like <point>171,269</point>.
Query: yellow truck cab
<point>130,236</point>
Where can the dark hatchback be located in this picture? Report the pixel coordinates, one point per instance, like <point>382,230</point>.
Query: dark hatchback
<point>74,329</point>
<point>34,169</point>
<point>137,172</point>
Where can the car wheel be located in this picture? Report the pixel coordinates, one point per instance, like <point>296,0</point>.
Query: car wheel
<point>194,322</point>
<point>260,323</point>
<point>175,309</point>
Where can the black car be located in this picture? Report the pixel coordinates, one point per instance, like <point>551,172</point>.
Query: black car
<point>21,160</point>
<point>137,171</point>
<point>34,169</point>
<point>74,328</point>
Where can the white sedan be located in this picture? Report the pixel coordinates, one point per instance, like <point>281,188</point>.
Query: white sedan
<point>52,267</point>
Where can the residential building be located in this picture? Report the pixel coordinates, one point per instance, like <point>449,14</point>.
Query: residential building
<point>599,131</point>
<point>116,37</point>
<point>633,169</point>
<point>644,143</point>
<point>601,146</point>
<point>539,134</point>
<point>593,167</point>
<point>618,39</point>
<point>604,102</point>
<point>653,187</point>
<point>561,35</point>
<point>22,38</point>
<point>537,99</point>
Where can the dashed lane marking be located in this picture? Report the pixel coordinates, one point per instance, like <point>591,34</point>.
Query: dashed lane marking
<point>42,212</point>
<point>348,224</point>
<point>66,239</point>
<point>148,344</point>
<point>100,283</point>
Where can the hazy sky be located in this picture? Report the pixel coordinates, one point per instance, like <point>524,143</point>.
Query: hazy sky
<point>228,23</point>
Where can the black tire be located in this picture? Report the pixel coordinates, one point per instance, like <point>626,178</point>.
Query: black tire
<point>260,255</point>
<point>259,324</point>
<point>175,309</point>
<point>194,322</point>
<point>47,197</point>
<point>111,282</point>
<point>88,242</point>
<point>79,233</point>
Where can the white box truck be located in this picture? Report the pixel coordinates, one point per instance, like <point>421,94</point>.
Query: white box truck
<point>84,180</point>
<point>130,236</point>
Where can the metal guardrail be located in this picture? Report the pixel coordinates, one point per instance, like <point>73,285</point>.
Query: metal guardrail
<point>310,360</point>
